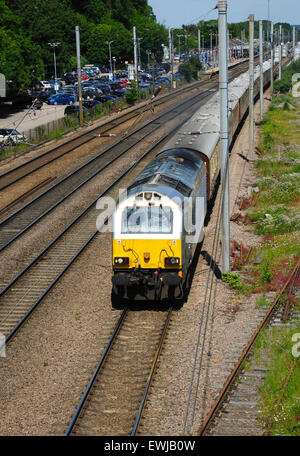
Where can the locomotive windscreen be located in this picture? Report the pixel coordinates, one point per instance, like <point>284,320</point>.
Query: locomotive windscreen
<point>147,219</point>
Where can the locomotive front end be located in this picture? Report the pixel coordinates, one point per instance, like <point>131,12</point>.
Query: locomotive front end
<point>147,247</point>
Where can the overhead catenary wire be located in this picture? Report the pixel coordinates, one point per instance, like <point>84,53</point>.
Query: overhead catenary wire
<point>198,358</point>
<point>207,301</point>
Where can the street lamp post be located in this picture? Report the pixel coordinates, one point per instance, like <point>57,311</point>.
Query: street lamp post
<point>139,51</point>
<point>109,50</point>
<point>148,54</point>
<point>211,35</point>
<point>114,60</point>
<point>179,36</point>
<point>54,45</point>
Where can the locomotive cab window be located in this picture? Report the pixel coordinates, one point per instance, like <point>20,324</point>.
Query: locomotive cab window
<point>147,219</point>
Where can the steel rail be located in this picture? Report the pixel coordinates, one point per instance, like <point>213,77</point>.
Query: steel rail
<point>222,396</point>
<point>96,372</point>
<point>100,365</point>
<point>151,374</point>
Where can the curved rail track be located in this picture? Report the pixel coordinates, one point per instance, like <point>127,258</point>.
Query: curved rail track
<point>15,174</point>
<point>24,293</point>
<point>235,411</point>
<point>110,407</point>
<point>24,218</point>
<point>27,289</point>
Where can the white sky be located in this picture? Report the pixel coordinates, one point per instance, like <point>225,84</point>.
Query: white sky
<point>175,13</point>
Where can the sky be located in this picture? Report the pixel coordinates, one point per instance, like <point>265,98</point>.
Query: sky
<point>175,13</point>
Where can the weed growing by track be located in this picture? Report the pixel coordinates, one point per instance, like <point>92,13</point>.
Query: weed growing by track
<point>280,408</point>
<point>276,214</point>
<point>276,217</point>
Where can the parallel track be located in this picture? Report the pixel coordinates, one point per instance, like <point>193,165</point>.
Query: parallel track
<point>24,293</point>
<point>110,407</point>
<point>235,409</point>
<point>24,218</point>
<point>15,174</point>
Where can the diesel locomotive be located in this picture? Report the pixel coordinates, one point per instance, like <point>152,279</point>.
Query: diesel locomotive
<point>159,219</point>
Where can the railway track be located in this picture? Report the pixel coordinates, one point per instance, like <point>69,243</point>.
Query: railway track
<point>16,224</point>
<point>26,290</point>
<point>236,409</point>
<point>25,217</point>
<point>110,407</point>
<point>15,174</point>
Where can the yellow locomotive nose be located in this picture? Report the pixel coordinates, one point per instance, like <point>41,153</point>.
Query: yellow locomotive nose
<point>153,258</point>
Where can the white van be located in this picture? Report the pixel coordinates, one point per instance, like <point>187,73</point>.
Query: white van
<point>46,84</point>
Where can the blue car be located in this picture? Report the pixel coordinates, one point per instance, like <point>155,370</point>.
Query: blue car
<point>61,98</point>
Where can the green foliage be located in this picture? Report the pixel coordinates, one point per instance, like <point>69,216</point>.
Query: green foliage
<point>275,346</point>
<point>26,28</point>
<point>190,68</point>
<point>235,281</point>
<point>285,84</point>
<point>276,220</point>
<point>132,95</point>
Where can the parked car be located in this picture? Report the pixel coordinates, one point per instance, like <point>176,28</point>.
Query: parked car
<point>23,100</point>
<point>119,92</point>
<point>104,87</point>
<point>69,110</point>
<point>45,94</point>
<point>61,98</point>
<point>45,84</point>
<point>117,85</point>
<point>37,104</point>
<point>90,103</point>
<point>104,98</point>
<point>10,136</point>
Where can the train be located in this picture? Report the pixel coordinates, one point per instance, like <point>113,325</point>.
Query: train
<point>159,220</point>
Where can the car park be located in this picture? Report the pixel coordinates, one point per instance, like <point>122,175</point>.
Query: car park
<point>10,136</point>
<point>61,98</point>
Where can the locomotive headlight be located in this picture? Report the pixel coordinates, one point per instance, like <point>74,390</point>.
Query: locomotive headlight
<point>121,260</point>
<point>172,261</point>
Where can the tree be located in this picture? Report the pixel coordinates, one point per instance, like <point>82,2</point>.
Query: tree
<point>190,68</point>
